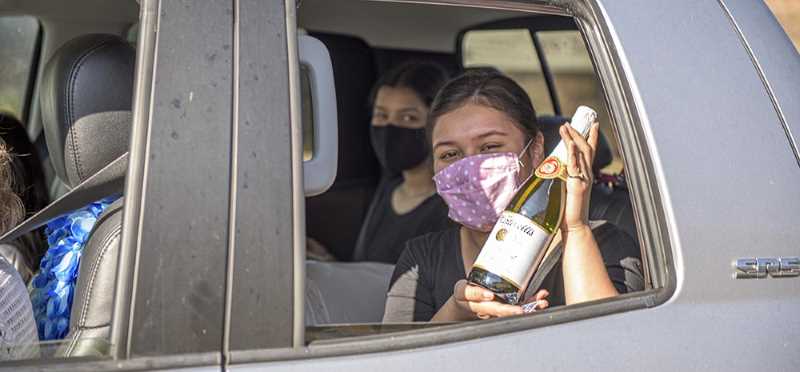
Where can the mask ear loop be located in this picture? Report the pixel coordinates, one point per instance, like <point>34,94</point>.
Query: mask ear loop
<point>522,165</point>
<point>523,151</point>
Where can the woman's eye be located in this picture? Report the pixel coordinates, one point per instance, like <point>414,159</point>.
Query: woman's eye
<point>409,118</point>
<point>448,155</point>
<point>490,146</point>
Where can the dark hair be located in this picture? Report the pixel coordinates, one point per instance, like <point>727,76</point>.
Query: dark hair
<point>487,87</point>
<point>11,209</point>
<point>423,78</point>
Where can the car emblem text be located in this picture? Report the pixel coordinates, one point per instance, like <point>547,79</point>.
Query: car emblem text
<point>776,267</point>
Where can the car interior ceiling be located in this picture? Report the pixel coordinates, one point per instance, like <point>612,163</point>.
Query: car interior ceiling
<point>360,50</point>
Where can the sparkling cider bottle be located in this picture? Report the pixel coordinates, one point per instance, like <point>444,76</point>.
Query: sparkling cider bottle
<point>518,241</point>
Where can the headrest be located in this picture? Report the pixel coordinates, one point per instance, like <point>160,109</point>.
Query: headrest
<point>88,75</point>
<point>353,74</point>
<point>549,125</point>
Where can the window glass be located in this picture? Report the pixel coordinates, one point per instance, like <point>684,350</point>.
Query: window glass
<point>512,52</point>
<point>576,83</point>
<point>307,109</point>
<point>18,36</point>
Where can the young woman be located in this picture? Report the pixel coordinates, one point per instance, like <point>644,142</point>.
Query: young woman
<point>405,205</point>
<point>482,123</point>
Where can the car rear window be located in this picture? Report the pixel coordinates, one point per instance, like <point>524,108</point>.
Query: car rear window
<point>18,36</point>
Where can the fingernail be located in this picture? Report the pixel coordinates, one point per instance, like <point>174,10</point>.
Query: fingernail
<point>488,295</point>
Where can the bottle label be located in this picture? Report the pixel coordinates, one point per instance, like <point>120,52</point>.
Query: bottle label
<point>512,247</point>
<point>551,167</point>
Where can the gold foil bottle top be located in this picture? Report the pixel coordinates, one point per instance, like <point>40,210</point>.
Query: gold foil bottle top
<point>554,165</point>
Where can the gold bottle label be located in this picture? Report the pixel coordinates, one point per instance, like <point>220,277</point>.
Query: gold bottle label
<point>551,167</point>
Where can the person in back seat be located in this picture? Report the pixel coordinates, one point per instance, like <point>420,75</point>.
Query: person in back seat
<point>405,204</point>
<point>18,338</point>
<point>485,142</point>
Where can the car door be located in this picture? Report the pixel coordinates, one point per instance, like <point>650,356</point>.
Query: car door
<point>686,101</point>
<point>170,306</point>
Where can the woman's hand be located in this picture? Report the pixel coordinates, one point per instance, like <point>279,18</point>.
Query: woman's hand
<point>477,302</point>
<point>579,176</point>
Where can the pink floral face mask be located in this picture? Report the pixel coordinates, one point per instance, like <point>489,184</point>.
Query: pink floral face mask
<point>478,188</point>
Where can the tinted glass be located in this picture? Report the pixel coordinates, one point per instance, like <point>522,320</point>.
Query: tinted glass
<point>513,53</point>
<point>18,37</point>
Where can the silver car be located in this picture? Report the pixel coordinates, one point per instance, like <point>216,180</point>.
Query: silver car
<point>235,129</point>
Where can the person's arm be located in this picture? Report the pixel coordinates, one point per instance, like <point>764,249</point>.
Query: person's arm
<point>585,275</point>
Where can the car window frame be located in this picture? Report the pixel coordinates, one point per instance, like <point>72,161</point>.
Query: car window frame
<point>652,222</point>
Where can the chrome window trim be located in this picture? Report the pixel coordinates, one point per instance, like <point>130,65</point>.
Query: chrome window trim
<point>234,177</point>
<point>298,193</point>
<point>644,180</point>
<point>135,180</point>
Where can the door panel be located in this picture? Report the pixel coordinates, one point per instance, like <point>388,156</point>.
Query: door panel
<point>182,237</point>
<point>262,294</point>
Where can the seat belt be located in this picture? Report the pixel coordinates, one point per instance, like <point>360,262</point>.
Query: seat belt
<point>107,181</point>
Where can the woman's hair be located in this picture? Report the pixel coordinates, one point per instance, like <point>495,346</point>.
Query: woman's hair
<point>487,87</point>
<point>423,78</point>
<point>11,209</point>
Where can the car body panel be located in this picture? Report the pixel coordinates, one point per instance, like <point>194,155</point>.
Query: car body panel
<point>776,56</point>
<point>710,115</point>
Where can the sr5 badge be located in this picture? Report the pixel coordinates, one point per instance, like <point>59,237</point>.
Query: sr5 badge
<point>778,267</point>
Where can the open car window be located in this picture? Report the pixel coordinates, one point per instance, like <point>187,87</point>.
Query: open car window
<point>549,57</point>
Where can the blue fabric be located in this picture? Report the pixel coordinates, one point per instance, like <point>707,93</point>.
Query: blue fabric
<point>54,284</point>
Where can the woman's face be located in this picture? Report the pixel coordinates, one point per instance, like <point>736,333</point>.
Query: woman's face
<point>476,129</point>
<point>399,106</point>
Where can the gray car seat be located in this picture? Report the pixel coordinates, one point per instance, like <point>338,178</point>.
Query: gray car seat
<point>346,292</point>
<point>86,94</point>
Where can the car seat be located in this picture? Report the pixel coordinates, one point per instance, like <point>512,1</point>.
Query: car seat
<point>85,97</point>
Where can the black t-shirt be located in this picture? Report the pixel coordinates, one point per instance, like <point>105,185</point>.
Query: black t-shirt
<point>384,233</point>
<point>431,265</point>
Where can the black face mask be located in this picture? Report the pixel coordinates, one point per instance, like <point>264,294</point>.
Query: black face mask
<point>397,148</point>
